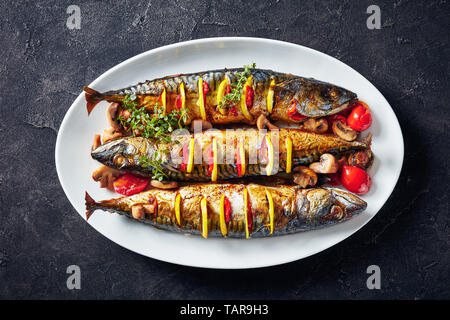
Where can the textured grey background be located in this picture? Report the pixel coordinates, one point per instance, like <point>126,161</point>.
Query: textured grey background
<point>44,66</point>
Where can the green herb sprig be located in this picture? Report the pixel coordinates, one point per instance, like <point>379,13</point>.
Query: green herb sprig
<point>157,168</point>
<point>237,88</point>
<point>154,126</point>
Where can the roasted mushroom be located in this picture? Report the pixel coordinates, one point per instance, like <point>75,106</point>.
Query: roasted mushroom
<point>304,176</point>
<point>263,123</point>
<point>106,176</point>
<point>359,159</point>
<point>112,116</point>
<point>315,125</point>
<point>164,185</point>
<point>97,142</point>
<point>327,164</point>
<point>111,133</point>
<point>343,131</point>
<point>149,208</point>
<point>137,211</point>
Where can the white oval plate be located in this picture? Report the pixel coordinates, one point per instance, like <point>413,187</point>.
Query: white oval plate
<point>74,164</point>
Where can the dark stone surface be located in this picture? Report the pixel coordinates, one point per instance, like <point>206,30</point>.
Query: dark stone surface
<point>44,66</point>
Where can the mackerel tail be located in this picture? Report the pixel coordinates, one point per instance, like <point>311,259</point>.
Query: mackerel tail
<point>269,211</point>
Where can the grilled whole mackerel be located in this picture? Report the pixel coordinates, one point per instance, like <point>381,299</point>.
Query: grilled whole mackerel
<point>294,209</point>
<point>126,153</point>
<point>309,97</point>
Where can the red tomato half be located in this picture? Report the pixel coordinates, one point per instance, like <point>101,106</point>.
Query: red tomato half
<point>249,215</point>
<point>293,113</point>
<point>249,97</point>
<point>129,184</point>
<point>333,179</point>
<point>360,118</point>
<point>227,210</point>
<point>355,179</point>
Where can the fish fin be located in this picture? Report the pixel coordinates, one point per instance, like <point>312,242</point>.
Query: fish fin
<point>89,202</point>
<point>92,98</point>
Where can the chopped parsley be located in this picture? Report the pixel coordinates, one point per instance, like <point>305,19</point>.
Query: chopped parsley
<point>154,126</point>
<point>237,88</point>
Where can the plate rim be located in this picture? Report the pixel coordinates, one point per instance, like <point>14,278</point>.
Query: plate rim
<point>208,41</point>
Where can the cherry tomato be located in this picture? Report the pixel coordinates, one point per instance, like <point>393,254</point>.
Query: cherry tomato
<point>128,184</point>
<point>334,118</point>
<point>360,118</point>
<point>355,179</point>
<point>249,97</point>
<point>293,113</point>
<point>333,179</point>
<point>227,210</point>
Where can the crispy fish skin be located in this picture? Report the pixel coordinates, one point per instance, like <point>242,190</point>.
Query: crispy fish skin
<point>295,209</point>
<point>125,153</point>
<point>313,98</point>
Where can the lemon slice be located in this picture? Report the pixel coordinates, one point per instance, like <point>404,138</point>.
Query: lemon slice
<point>183,95</point>
<point>163,101</point>
<point>269,166</point>
<point>223,225</point>
<point>214,171</point>
<point>201,101</point>
<point>221,93</point>
<point>270,94</point>
<point>204,209</point>
<point>271,210</point>
<point>247,235</point>
<point>190,164</point>
<point>177,208</point>
<point>244,108</point>
<point>289,155</point>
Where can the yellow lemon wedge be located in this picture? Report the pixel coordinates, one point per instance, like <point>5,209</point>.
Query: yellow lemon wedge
<point>289,155</point>
<point>244,108</point>
<point>183,95</point>
<point>204,209</point>
<point>201,101</point>
<point>247,233</point>
<point>270,94</point>
<point>221,93</point>
<point>214,171</point>
<point>178,208</point>
<point>271,210</point>
<point>163,101</point>
<point>269,166</point>
<point>223,225</point>
<point>190,164</point>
